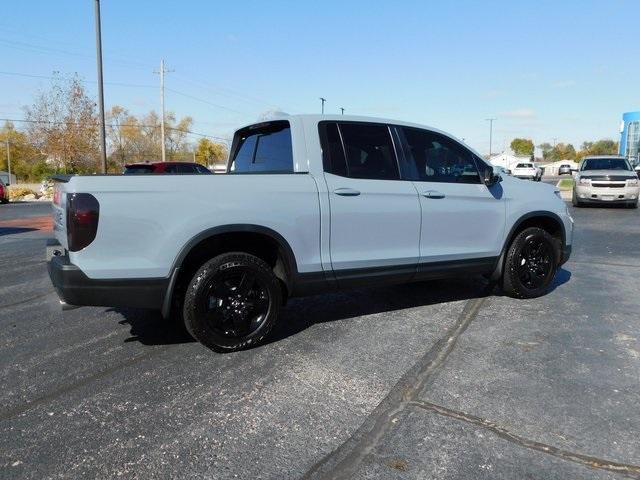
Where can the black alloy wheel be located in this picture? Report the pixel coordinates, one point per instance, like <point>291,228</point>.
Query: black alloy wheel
<point>235,302</point>
<point>530,264</point>
<point>535,262</point>
<point>232,302</point>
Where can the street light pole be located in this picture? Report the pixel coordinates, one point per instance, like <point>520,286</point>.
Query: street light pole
<point>162,121</point>
<point>8,158</point>
<point>323,100</point>
<point>490,120</point>
<point>103,136</point>
<point>342,110</point>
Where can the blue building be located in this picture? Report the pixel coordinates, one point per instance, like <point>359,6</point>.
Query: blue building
<point>630,137</point>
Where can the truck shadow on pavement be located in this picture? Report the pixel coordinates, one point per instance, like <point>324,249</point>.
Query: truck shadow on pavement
<point>149,328</point>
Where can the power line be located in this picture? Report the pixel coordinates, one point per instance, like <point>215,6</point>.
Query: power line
<point>50,77</point>
<point>48,50</point>
<point>112,125</point>
<point>204,101</point>
<point>123,84</point>
<point>228,92</point>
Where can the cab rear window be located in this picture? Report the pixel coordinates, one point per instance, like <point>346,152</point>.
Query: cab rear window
<point>263,148</point>
<point>138,169</point>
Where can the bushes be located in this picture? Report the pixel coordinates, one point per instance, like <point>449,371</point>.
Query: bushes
<point>16,193</point>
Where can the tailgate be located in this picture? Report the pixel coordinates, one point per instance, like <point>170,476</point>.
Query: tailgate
<point>60,211</point>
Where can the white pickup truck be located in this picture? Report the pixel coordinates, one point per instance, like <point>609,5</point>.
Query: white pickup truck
<point>308,204</point>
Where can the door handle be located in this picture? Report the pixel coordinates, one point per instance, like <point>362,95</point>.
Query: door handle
<point>346,192</point>
<point>433,194</point>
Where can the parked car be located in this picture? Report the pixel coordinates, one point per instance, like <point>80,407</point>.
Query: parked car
<point>4,193</point>
<point>184,168</point>
<point>637,170</point>
<point>606,179</point>
<point>504,171</point>
<point>565,169</point>
<point>527,171</point>
<point>310,204</point>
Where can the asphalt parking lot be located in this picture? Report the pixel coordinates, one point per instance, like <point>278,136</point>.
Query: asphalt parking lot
<point>432,380</point>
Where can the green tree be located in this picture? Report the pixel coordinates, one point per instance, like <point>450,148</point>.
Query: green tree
<point>546,149</point>
<point>23,155</point>
<point>522,146</point>
<point>209,153</point>
<point>600,147</point>
<point>562,151</point>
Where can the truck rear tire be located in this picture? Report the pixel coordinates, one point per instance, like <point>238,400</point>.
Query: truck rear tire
<point>530,264</point>
<point>232,302</point>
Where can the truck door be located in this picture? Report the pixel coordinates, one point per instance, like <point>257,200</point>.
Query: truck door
<point>463,221</point>
<point>374,215</point>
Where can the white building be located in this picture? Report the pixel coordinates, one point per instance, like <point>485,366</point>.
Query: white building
<point>508,161</point>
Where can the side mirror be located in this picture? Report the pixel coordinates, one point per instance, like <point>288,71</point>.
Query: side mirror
<point>574,170</point>
<point>491,177</point>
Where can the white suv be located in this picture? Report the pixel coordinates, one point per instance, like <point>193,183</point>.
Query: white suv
<point>528,171</point>
<point>606,179</point>
<point>309,204</point>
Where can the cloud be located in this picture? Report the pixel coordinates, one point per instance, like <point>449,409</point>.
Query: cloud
<point>564,84</point>
<point>519,114</point>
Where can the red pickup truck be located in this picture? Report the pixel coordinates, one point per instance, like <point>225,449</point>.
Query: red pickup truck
<point>4,193</point>
<point>185,168</point>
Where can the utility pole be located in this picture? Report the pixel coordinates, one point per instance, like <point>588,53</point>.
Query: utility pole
<point>490,120</point>
<point>8,158</point>
<point>342,110</point>
<point>555,139</point>
<point>323,100</point>
<point>162,72</point>
<point>103,135</point>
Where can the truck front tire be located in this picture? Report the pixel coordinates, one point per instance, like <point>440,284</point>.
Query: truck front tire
<point>232,302</point>
<point>530,264</point>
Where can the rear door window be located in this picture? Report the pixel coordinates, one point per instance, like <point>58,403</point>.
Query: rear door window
<point>359,150</point>
<point>263,148</point>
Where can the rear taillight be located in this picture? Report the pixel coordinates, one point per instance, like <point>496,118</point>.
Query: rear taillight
<point>83,211</point>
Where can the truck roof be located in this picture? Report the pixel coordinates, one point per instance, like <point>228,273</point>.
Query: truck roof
<point>310,117</point>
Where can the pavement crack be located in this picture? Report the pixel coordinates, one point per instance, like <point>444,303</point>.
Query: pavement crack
<point>51,396</point>
<point>632,471</point>
<point>344,461</point>
<point>26,300</point>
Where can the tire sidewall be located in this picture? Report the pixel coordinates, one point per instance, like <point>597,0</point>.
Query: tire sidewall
<point>511,281</point>
<point>198,327</point>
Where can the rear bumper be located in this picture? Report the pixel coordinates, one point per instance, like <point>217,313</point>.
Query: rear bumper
<point>75,288</point>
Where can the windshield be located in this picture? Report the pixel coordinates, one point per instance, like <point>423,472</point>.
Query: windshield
<point>605,164</point>
<point>524,165</point>
<point>138,169</point>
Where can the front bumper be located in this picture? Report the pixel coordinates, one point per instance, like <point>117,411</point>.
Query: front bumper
<point>588,193</point>
<point>75,288</point>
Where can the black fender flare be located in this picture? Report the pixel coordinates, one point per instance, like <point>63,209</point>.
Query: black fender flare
<point>499,267</point>
<point>291,266</point>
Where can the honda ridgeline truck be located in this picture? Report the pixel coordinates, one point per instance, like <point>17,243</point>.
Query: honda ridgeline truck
<point>308,204</point>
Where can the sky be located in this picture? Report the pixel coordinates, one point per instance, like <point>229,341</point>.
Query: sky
<point>552,71</point>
